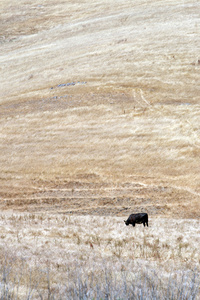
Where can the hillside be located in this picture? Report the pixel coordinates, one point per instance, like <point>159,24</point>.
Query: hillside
<point>99,107</point>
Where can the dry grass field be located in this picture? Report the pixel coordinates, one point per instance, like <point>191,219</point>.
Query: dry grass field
<point>47,256</point>
<point>99,118</point>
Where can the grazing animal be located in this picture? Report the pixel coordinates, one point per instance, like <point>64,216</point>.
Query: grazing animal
<point>137,219</point>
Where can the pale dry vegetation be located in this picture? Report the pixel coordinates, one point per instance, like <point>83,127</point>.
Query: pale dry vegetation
<point>99,117</point>
<point>85,257</point>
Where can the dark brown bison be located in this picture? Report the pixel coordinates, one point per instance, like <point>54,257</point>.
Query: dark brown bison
<point>137,219</point>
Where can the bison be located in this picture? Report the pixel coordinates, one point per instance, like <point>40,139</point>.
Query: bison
<point>137,218</point>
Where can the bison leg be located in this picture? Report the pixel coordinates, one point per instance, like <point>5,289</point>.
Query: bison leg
<point>144,224</point>
<point>133,224</point>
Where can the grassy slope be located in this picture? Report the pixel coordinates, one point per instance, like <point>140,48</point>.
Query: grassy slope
<point>126,137</point>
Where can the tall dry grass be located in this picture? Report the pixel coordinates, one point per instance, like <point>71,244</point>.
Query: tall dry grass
<point>107,281</point>
<point>52,257</point>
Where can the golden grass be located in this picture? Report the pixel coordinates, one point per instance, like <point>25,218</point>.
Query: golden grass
<point>156,148</point>
<point>114,47</point>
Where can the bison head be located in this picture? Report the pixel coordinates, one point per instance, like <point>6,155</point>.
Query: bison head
<point>126,222</point>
